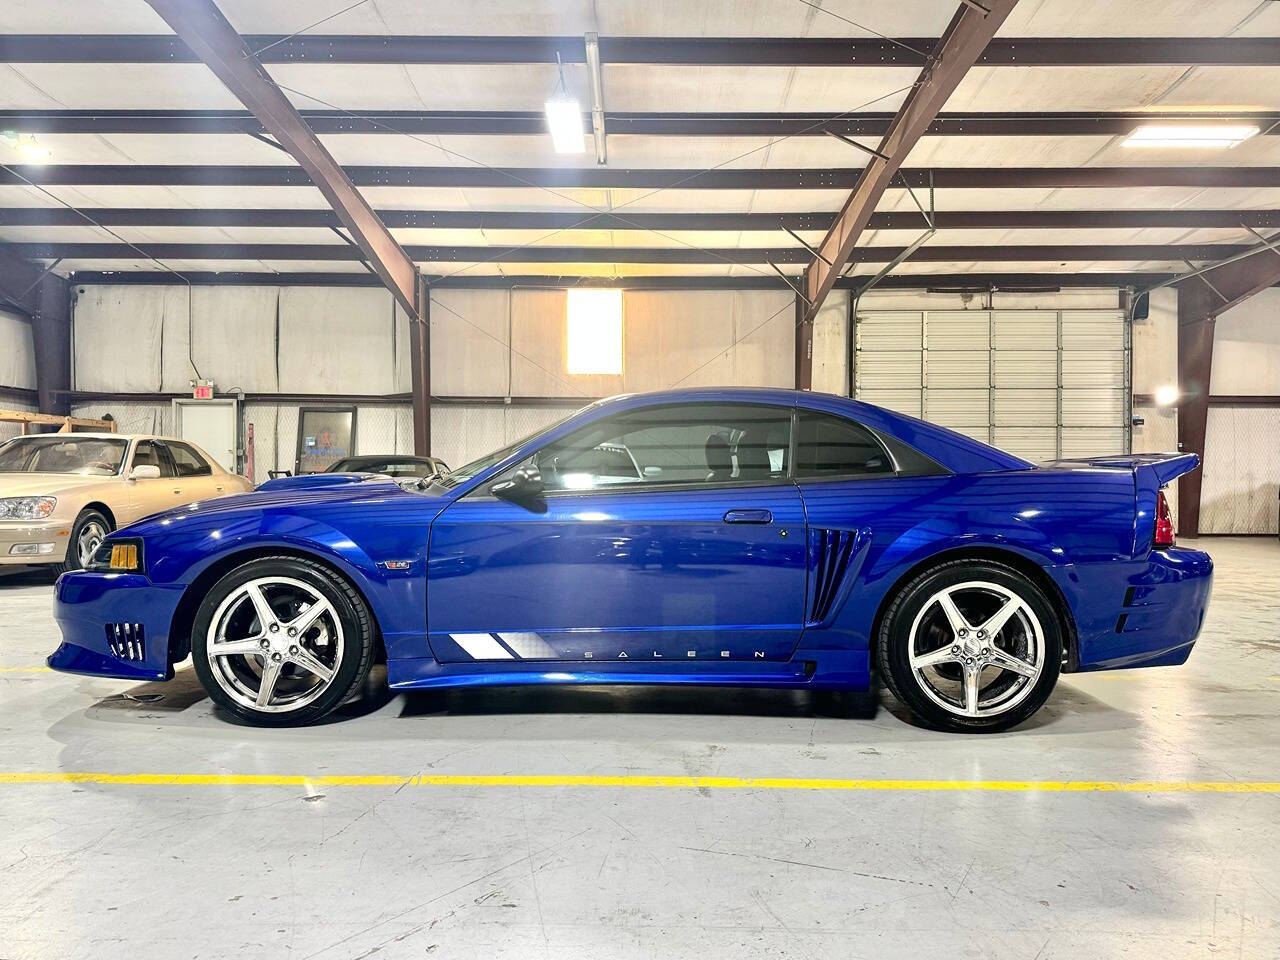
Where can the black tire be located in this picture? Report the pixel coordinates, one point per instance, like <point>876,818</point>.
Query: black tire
<point>894,645</point>
<point>349,673</point>
<point>87,518</point>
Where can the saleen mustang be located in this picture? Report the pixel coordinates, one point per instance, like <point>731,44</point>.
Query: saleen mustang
<point>744,537</point>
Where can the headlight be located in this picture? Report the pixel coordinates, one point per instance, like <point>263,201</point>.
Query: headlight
<point>26,508</point>
<point>116,555</point>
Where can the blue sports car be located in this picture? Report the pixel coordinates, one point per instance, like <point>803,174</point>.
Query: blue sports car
<point>746,537</point>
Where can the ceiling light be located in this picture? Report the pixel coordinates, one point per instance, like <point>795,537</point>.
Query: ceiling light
<point>26,146</point>
<point>564,118</point>
<point>1220,135</point>
<point>595,331</point>
<point>1166,395</point>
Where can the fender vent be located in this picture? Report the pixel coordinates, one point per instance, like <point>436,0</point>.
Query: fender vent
<point>127,641</point>
<point>829,551</point>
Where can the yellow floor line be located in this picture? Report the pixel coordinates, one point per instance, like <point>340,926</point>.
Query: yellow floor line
<point>25,670</point>
<point>678,782</point>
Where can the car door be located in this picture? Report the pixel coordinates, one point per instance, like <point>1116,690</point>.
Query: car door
<point>148,496</point>
<point>662,533</point>
<point>194,474</point>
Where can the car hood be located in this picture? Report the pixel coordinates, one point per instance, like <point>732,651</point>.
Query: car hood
<point>46,484</point>
<point>358,488</point>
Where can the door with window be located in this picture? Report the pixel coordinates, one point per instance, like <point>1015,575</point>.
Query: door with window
<point>660,533</point>
<point>196,476</point>
<point>151,495</point>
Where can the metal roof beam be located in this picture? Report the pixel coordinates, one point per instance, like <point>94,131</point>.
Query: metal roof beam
<point>692,51</point>
<point>943,178</point>
<point>818,221</point>
<point>529,123</point>
<point>201,26</point>
<point>959,48</point>
<point>1074,253</point>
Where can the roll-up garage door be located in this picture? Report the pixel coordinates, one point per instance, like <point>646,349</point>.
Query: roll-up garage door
<point>1038,383</point>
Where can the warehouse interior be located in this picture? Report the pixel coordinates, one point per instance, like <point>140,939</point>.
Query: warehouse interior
<point>1062,239</point>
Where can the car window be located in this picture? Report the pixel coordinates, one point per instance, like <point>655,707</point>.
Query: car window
<point>830,446</point>
<point>187,462</point>
<point>660,446</point>
<point>148,453</point>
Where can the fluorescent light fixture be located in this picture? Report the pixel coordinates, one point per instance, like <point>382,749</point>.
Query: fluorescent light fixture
<point>594,322</point>
<point>1166,395</point>
<point>1220,135</point>
<point>564,118</point>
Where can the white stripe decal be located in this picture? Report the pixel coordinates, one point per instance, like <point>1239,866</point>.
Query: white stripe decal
<point>529,646</point>
<point>481,646</point>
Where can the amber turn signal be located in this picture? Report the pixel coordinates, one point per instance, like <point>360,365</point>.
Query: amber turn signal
<point>124,556</point>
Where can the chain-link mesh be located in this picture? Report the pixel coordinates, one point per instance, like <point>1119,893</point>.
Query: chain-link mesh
<point>1241,478</point>
<point>131,416</point>
<point>10,430</point>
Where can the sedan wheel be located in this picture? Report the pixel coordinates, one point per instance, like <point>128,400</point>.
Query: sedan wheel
<point>90,535</point>
<point>282,641</point>
<point>971,645</point>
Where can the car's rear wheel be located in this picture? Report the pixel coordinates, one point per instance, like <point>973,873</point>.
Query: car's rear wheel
<point>282,641</point>
<point>971,646</point>
<point>89,530</point>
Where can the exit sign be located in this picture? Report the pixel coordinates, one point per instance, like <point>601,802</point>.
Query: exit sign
<point>202,389</point>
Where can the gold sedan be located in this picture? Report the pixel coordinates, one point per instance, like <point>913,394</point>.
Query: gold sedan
<point>60,494</point>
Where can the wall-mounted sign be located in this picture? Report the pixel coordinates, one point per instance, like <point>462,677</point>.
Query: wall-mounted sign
<point>325,436</point>
<point>202,389</point>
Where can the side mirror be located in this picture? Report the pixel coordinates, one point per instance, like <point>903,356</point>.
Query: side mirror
<point>525,484</point>
<point>145,471</point>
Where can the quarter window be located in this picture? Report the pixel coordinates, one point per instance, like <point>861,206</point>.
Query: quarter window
<point>660,446</point>
<point>828,446</point>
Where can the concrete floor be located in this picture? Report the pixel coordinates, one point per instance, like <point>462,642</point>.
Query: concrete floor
<point>111,870</point>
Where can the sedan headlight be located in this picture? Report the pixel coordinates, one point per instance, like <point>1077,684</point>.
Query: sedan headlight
<point>26,508</point>
<point>116,555</point>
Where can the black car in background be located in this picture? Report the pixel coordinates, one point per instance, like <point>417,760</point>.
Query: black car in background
<point>391,465</point>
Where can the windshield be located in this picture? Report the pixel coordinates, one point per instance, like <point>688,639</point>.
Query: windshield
<point>464,473</point>
<point>87,456</point>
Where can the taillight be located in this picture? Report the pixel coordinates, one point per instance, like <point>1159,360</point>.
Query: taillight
<point>1164,522</point>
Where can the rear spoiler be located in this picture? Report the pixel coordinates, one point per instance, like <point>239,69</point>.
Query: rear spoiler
<point>1151,471</point>
<point>1164,467</point>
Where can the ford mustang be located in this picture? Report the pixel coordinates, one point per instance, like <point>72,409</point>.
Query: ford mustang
<point>746,537</point>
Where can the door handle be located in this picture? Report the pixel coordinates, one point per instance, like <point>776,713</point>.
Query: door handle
<point>748,516</point>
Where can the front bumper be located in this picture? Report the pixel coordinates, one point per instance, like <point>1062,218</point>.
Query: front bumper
<point>51,536</point>
<point>114,625</point>
<point>1149,616</point>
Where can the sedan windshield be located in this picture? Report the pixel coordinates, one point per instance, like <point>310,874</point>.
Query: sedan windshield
<point>87,456</point>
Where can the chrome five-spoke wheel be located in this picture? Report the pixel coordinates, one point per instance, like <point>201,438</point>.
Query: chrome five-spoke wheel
<point>971,645</point>
<point>977,649</point>
<point>282,641</point>
<point>274,643</point>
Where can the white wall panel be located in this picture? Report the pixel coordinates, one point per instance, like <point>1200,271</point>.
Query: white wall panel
<point>337,340</point>
<point>118,336</point>
<point>469,338</point>
<point>233,340</point>
<point>958,368</point>
<point>1241,470</point>
<point>1024,330</point>
<point>830,354</point>
<point>1025,408</point>
<point>1031,443</point>
<point>17,352</point>
<point>1092,441</point>
<point>131,416</point>
<point>958,330</point>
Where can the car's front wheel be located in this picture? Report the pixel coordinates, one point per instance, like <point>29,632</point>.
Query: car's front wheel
<point>971,646</point>
<point>87,533</point>
<point>282,641</point>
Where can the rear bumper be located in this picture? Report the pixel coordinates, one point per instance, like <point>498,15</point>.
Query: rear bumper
<point>89,606</point>
<point>1148,616</point>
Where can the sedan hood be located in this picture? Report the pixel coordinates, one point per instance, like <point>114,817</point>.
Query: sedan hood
<point>46,484</point>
